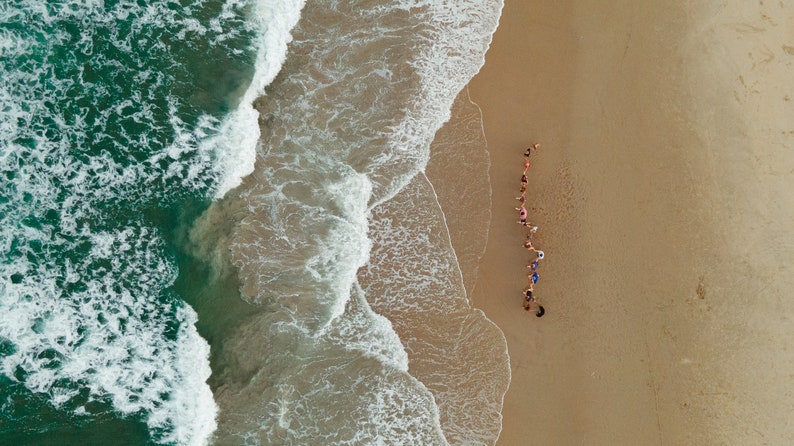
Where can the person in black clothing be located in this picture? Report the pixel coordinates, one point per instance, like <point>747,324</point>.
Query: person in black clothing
<point>530,149</point>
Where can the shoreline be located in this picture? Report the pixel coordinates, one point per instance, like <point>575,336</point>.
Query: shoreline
<point>638,187</point>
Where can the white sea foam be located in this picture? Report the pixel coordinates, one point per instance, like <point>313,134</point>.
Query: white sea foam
<point>233,146</point>
<point>347,385</point>
<point>239,134</point>
<point>312,243</point>
<point>98,316</point>
<point>336,132</point>
<point>454,52</point>
<point>191,406</point>
<point>347,126</point>
<point>110,340</point>
<point>368,333</point>
<point>454,349</point>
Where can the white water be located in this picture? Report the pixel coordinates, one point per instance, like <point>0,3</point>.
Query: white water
<point>85,302</point>
<point>346,127</point>
<point>239,134</point>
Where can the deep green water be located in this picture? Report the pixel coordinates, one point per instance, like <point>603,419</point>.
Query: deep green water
<point>104,109</point>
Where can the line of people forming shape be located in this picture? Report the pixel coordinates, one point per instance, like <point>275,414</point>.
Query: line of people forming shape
<point>531,303</point>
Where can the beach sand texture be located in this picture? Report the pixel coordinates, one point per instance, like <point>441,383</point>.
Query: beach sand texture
<point>664,192</point>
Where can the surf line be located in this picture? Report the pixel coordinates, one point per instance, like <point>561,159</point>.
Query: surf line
<point>531,303</point>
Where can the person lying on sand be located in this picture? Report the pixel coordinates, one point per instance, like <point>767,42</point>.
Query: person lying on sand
<point>530,149</point>
<point>524,180</point>
<point>538,252</point>
<point>539,310</point>
<point>522,214</point>
<point>529,225</point>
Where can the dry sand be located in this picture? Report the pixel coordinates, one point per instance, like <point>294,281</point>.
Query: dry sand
<point>664,192</point>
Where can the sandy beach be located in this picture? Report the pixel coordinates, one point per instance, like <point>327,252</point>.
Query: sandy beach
<point>664,192</point>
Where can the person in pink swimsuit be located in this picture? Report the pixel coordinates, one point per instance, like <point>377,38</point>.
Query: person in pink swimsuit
<point>522,215</point>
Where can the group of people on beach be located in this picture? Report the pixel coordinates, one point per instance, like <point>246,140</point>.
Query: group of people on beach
<point>531,303</point>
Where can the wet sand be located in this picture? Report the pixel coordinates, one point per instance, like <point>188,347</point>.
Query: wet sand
<point>664,192</point>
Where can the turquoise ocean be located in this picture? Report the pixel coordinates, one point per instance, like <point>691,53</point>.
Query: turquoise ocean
<point>216,228</point>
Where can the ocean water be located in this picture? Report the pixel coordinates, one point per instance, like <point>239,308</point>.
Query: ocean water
<point>216,229</point>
